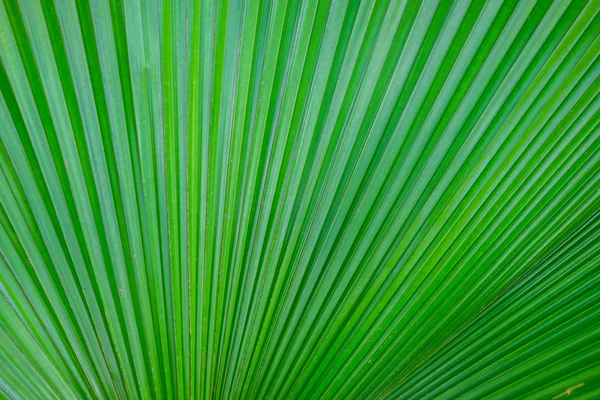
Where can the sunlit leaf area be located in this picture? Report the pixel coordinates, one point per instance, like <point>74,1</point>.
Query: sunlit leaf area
<point>299,199</point>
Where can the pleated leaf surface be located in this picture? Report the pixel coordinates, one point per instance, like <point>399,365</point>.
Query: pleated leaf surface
<point>299,199</point>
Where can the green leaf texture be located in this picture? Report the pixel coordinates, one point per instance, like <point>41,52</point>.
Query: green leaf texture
<point>315,199</point>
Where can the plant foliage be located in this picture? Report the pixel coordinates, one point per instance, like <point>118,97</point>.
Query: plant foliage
<point>252,199</point>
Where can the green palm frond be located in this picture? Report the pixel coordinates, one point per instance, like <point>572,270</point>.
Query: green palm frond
<point>258,199</point>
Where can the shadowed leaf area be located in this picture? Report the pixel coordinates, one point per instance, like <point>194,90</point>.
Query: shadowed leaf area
<point>299,199</point>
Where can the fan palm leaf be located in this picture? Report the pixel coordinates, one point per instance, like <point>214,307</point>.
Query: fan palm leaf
<point>315,199</point>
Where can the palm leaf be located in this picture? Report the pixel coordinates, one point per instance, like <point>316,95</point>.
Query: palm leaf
<point>299,199</point>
